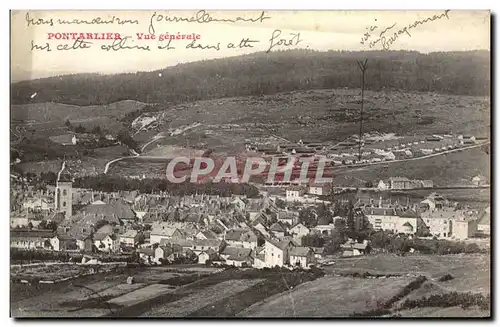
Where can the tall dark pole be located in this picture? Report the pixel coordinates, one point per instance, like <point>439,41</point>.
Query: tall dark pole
<point>362,67</point>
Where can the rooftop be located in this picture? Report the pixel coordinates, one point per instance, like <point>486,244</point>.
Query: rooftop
<point>300,251</point>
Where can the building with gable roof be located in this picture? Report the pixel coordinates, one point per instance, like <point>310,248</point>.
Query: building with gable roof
<point>129,238</point>
<point>277,252</point>
<point>397,221</point>
<point>244,238</point>
<point>106,242</point>
<point>298,231</point>
<point>484,222</point>
<point>302,256</point>
<point>237,257</point>
<point>278,230</point>
<point>165,230</point>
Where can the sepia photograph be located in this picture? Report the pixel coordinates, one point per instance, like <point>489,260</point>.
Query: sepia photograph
<point>250,164</point>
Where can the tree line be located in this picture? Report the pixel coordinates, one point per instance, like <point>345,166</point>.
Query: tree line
<point>462,73</point>
<point>109,183</point>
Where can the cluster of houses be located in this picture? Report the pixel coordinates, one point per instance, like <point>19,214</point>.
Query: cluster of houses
<point>234,230</point>
<point>403,183</point>
<point>347,152</point>
<point>434,216</point>
<point>231,230</point>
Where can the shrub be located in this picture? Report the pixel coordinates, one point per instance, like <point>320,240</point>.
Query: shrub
<point>452,299</point>
<point>445,278</point>
<point>405,291</point>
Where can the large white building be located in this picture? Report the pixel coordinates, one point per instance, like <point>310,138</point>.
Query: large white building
<point>390,219</point>
<point>277,252</point>
<point>438,225</point>
<point>447,222</point>
<point>294,193</point>
<point>463,229</point>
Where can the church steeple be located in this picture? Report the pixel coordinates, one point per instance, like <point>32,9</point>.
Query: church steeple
<point>64,192</point>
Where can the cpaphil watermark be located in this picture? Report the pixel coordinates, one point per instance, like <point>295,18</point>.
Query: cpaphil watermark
<point>289,169</point>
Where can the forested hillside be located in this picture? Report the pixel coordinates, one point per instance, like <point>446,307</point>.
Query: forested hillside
<point>463,73</point>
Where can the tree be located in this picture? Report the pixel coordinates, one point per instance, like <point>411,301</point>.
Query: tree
<point>42,225</point>
<point>49,177</point>
<point>80,129</point>
<point>280,203</point>
<point>351,223</point>
<point>216,229</point>
<point>422,232</point>
<point>307,217</point>
<point>68,124</point>
<point>125,138</point>
<point>30,225</point>
<point>100,223</point>
<point>97,130</point>
<point>369,184</point>
<point>340,226</point>
<point>141,238</point>
<point>313,240</point>
<point>52,225</point>
<point>46,244</point>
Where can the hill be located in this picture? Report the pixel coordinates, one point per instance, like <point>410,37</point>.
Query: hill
<point>44,112</point>
<point>461,73</point>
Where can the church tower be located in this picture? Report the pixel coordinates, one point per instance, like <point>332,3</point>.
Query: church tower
<point>64,193</point>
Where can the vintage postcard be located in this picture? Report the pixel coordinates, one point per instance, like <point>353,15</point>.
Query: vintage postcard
<point>205,163</point>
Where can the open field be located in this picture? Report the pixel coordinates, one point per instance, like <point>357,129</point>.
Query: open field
<point>139,166</point>
<point>94,295</point>
<point>202,292</point>
<point>459,195</point>
<point>194,301</point>
<point>336,296</point>
<point>471,272</point>
<point>444,313</point>
<point>329,116</point>
<point>328,297</point>
<point>49,272</point>
<point>157,291</point>
<point>87,165</point>
<point>454,169</point>
<point>43,114</point>
<point>332,115</point>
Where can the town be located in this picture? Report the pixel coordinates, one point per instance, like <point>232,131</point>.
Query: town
<point>315,176</point>
<point>301,227</point>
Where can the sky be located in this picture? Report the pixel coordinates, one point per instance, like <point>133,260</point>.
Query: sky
<point>319,30</point>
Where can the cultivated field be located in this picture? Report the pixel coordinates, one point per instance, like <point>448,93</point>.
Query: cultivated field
<point>328,297</point>
<point>196,300</point>
<point>95,295</point>
<point>337,296</point>
<point>157,291</point>
<point>205,292</point>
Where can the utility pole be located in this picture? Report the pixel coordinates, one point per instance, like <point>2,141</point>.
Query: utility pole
<point>362,66</point>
